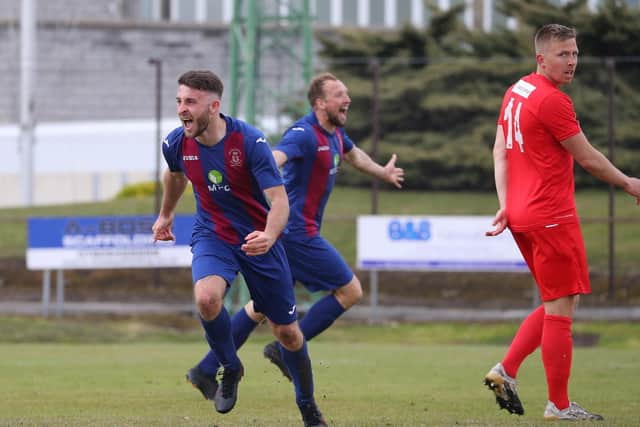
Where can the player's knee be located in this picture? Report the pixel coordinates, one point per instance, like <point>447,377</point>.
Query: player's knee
<point>209,294</point>
<point>208,308</point>
<point>208,303</point>
<point>289,336</point>
<point>350,294</point>
<point>249,308</point>
<point>356,290</point>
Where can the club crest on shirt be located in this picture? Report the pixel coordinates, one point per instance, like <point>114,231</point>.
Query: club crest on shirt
<point>235,157</point>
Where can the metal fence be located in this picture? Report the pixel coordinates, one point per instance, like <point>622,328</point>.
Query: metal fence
<point>126,84</point>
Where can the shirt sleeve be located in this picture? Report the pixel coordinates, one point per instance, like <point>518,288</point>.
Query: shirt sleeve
<point>347,143</point>
<point>559,117</point>
<point>263,165</point>
<point>502,107</point>
<point>293,142</point>
<point>171,150</point>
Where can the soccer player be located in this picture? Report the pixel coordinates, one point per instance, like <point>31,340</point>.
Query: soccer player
<point>311,152</point>
<point>537,140</point>
<point>231,169</point>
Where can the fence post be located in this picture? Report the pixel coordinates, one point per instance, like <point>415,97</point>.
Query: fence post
<point>59,292</point>
<point>374,64</point>
<point>373,282</point>
<point>46,292</point>
<point>611,69</point>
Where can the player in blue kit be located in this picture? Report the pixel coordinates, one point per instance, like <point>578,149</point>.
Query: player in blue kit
<point>310,153</point>
<point>237,228</point>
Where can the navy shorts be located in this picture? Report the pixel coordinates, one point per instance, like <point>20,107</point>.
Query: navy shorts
<point>316,263</point>
<point>267,276</point>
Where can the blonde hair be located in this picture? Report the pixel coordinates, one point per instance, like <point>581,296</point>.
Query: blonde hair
<point>550,32</point>
<point>316,87</point>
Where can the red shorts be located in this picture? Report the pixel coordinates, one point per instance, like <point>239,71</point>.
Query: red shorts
<point>557,260</point>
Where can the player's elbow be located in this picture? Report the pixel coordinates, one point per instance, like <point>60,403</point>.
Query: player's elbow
<point>593,165</point>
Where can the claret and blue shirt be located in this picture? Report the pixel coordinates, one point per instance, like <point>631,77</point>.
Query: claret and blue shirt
<point>313,158</point>
<point>228,181</point>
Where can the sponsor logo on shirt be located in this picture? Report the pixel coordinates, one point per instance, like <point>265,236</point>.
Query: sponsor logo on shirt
<point>324,148</point>
<point>261,139</point>
<point>298,129</point>
<point>216,182</point>
<point>336,164</point>
<point>524,89</point>
<point>293,310</point>
<point>189,157</point>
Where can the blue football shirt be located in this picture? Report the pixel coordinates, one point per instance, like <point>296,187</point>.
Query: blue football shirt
<point>228,179</point>
<point>313,159</point>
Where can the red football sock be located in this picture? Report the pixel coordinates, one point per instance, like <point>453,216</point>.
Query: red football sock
<point>557,347</point>
<point>525,342</point>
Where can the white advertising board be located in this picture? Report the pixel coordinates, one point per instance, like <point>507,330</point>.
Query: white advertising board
<point>441,243</point>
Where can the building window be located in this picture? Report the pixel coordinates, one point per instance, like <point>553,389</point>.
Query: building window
<point>403,13</point>
<point>376,9</point>
<point>184,10</point>
<point>322,12</point>
<point>350,12</point>
<point>426,16</point>
<point>215,11</point>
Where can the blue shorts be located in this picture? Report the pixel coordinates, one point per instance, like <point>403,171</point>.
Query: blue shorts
<point>316,263</point>
<point>268,276</point>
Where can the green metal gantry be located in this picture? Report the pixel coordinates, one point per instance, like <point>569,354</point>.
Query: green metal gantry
<point>282,30</point>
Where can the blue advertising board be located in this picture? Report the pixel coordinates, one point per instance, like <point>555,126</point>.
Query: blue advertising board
<point>87,242</point>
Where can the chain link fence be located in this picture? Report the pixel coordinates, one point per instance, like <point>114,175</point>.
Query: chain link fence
<point>100,104</point>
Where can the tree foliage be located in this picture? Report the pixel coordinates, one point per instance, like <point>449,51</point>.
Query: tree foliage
<point>440,87</point>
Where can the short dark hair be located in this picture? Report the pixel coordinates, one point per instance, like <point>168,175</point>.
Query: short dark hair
<point>549,32</point>
<point>202,80</point>
<point>316,87</point>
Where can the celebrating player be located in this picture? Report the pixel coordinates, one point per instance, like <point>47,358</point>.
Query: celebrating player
<point>231,168</point>
<point>311,152</point>
<point>537,140</point>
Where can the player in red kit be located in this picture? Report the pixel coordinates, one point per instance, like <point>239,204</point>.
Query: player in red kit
<point>537,140</point>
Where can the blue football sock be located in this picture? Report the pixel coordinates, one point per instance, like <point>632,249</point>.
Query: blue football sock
<point>299,366</point>
<point>320,316</point>
<point>218,334</point>
<point>241,327</point>
<point>209,363</point>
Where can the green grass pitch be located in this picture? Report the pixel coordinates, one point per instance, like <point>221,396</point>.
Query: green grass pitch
<point>402,375</point>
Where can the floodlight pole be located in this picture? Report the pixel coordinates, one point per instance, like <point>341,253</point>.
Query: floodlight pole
<point>157,63</point>
<point>27,104</point>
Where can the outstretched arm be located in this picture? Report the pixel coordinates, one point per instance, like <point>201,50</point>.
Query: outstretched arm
<point>389,172</point>
<point>174,185</point>
<point>500,174</point>
<point>594,162</point>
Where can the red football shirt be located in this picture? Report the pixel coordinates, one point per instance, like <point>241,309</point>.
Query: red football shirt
<point>535,116</point>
